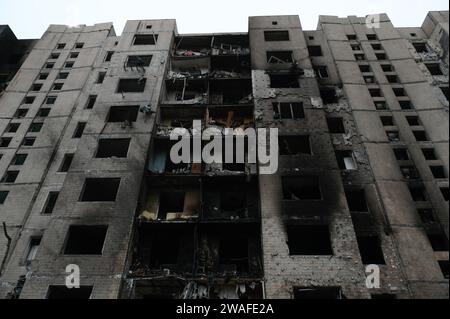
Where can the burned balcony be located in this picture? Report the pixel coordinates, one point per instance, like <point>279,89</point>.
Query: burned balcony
<point>230,117</point>
<point>195,68</point>
<point>186,91</point>
<point>230,67</point>
<point>230,198</point>
<point>179,117</point>
<point>232,45</point>
<point>192,46</point>
<point>231,92</point>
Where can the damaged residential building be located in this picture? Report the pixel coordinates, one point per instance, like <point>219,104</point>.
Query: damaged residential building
<point>362,118</point>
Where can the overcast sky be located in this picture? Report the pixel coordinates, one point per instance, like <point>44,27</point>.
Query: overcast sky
<point>30,18</point>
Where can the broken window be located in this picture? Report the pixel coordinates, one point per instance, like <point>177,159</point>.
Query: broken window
<point>370,250</point>
<point>117,147</point>
<point>365,68</point>
<point>5,141</point>
<point>131,85</point>
<point>109,56</point>
<point>429,154</point>
<point>287,111</point>
<point>438,241</point>
<point>280,81</point>
<point>3,196</point>
<point>443,264</point>
<point>393,136</point>
<point>420,47</point>
<point>12,128</point>
<point>32,249</point>
<point>164,249</point>
<point>346,160</point>
<point>399,92</point>
<point>375,92</point>
<point>392,78</point>
<point>309,240</point>
<point>315,50</point>
<point>426,216</point>
<point>91,102</point>
<point>54,56</point>
<point>50,100</point>
<point>445,91</point>
<point>336,125</point>
<point>43,112</point>
<point>139,61</point>
<point>50,203</point>
<point>445,193</point>
<point>60,46</point>
<point>356,47</point>
<point>67,161</point>
<point>320,293</point>
<point>36,87</point>
<point>380,105</point>
<point>301,188</point>
<point>356,200</point>
<point>401,154</point>
<point>387,67</point>
<point>145,39</point>
<point>372,37</point>
<point>43,76</point>
<point>79,130</point>
<point>409,172</point>
<point>438,171</point>
<point>360,57</point>
<point>405,105</point>
<point>19,159</point>
<point>369,79</point>
<point>387,120</point>
<point>279,57</point>
<point>69,65</point>
<point>170,203</point>
<point>420,136</point>
<point>57,86</point>
<point>328,95</point>
<point>118,114</point>
<point>79,45</point>
<point>418,193</point>
<point>270,36</point>
<point>29,141</point>
<point>351,37</point>
<point>101,77</point>
<point>100,190</point>
<point>74,55</point>
<point>62,292</point>
<point>377,46</point>
<point>321,71</point>
<point>49,65</point>
<point>434,68</point>
<point>413,120</point>
<point>85,240</point>
<point>381,56</point>
<point>29,99</point>
<point>294,145</point>
<point>10,177</point>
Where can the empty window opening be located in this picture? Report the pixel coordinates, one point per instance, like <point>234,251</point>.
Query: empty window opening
<point>3,196</point>
<point>399,92</point>
<point>434,68</point>
<point>426,216</point>
<point>365,68</point>
<point>29,141</point>
<point>445,91</point>
<point>370,250</point>
<point>54,56</point>
<point>19,159</point>
<point>62,292</point>
<point>294,145</point>
<point>233,253</point>
<point>375,93</point>
<point>50,100</point>
<point>49,65</point>
<point>372,37</point>
<point>69,65</point>
<point>421,136</point>
<point>79,45</point>
<point>356,200</point>
<point>270,36</point>
<point>369,79</point>
<point>43,76</point>
<point>79,130</point>
<point>321,71</point>
<point>438,171</point>
<point>63,75</point>
<point>284,81</point>
<point>402,154</point>
<point>165,249</point>
<point>443,264</point>
<point>10,177</point>
<point>35,127</point>
<point>131,85</point>
<point>139,61</point>
<point>100,190</point>
<point>5,141</point>
<point>336,125</point>
<point>346,160</point>
<point>387,120</point>
<point>279,57</point>
<point>274,22</point>
<point>301,188</point>
<point>328,95</point>
<point>445,193</point>
<point>438,241</point>
<point>356,47</point>
<point>420,47</point>
<point>429,154</point>
<point>33,249</point>
<point>172,202</point>
<point>387,67</point>
<point>85,240</point>
<point>392,78</point>
<point>12,128</point>
<point>381,56</point>
<point>409,172</point>
<point>113,148</point>
<point>65,165</point>
<point>109,56</point>
<point>145,39</point>
<point>418,193</point>
<point>74,55</point>
<point>36,87</point>
<point>377,46</point>
<point>360,57</point>
<point>118,114</point>
<point>413,120</point>
<point>50,203</point>
<point>91,102</point>
<point>320,293</point>
<point>60,46</point>
<point>286,111</point>
<point>21,113</point>
<point>29,99</point>
<point>393,136</point>
<point>58,86</point>
<point>309,240</point>
<point>315,50</point>
<point>405,105</point>
<point>380,105</point>
<point>101,77</point>
<point>351,37</point>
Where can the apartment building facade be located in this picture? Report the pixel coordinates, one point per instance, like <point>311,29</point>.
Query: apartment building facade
<point>88,184</point>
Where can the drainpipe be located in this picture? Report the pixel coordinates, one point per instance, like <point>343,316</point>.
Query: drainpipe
<point>8,246</point>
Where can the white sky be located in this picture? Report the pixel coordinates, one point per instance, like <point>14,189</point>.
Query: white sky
<point>30,18</point>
